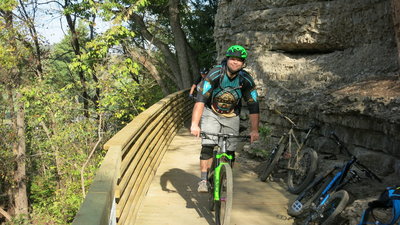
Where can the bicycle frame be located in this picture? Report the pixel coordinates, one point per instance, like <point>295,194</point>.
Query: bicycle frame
<point>300,145</point>
<point>337,182</point>
<point>220,158</point>
<point>291,135</point>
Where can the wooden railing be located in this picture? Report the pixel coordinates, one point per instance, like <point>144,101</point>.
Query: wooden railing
<point>133,157</point>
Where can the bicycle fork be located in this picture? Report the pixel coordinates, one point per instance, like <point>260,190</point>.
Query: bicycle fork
<point>217,173</point>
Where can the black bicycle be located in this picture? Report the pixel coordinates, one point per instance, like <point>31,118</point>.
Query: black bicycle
<point>302,162</point>
<point>325,198</point>
<point>220,178</point>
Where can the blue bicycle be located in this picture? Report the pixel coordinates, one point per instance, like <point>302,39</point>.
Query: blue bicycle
<point>324,198</point>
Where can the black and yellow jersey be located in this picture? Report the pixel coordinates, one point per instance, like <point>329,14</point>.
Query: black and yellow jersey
<point>223,94</point>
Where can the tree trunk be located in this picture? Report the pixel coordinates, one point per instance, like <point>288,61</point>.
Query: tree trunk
<point>96,97</point>
<point>169,57</point>
<point>76,46</point>
<point>147,63</point>
<point>193,62</point>
<point>30,22</point>
<point>180,43</point>
<point>20,193</point>
<point>56,155</point>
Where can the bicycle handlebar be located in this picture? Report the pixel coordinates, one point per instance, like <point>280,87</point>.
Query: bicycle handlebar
<point>285,117</point>
<point>294,125</point>
<point>362,167</point>
<point>368,172</point>
<point>224,135</point>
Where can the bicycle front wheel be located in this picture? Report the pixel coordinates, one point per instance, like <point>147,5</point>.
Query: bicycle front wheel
<point>309,196</point>
<point>272,161</point>
<point>223,206</point>
<point>302,171</point>
<point>333,207</point>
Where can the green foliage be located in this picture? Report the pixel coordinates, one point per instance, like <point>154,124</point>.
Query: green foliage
<point>59,138</point>
<point>19,220</point>
<point>264,132</point>
<point>57,154</point>
<point>8,5</point>
<point>123,97</point>
<point>199,24</point>
<point>262,148</point>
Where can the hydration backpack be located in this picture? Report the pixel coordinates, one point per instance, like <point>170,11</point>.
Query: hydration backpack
<point>390,198</point>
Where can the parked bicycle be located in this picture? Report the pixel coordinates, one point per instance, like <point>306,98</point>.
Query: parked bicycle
<point>220,178</point>
<point>325,198</point>
<point>302,162</point>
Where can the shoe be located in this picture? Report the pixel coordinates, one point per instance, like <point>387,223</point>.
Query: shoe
<point>203,186</point>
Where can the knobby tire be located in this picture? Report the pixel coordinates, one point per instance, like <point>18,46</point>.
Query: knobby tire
<point>300,177</point>
<point>211,204</point>
<point>272,161</point>
<point>308,196</point>
<point>333,207</point>
<point>223,207</point>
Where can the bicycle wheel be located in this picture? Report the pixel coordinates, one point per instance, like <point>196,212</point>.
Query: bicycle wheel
<point>211,204</point>
<point>302,171</point>
<point>223,207</point>
<point>210,178</point>
<point>333,207</point>
<point>307,197</point>
<point>272,161</point>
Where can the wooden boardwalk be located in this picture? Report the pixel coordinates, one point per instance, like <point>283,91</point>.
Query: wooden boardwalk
<point>173,198</point>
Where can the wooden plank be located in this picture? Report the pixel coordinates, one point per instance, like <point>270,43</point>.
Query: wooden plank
<point>172,197</point>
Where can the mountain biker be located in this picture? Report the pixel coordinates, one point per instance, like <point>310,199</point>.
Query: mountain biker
<point>218,106</point>
<point>203,74</point>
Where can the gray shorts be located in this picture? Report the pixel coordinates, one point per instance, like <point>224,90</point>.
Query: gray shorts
<point>212,123</point>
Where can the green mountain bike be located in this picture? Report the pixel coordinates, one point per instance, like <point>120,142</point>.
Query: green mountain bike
<point>220,178</point>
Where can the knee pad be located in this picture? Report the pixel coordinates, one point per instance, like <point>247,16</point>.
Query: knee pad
<point>206,152</point>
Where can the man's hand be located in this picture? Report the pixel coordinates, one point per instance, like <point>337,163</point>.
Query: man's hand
<point>254,135</point>
<point>196,116</point>
<point>195,130</point>
<point>254,121</point>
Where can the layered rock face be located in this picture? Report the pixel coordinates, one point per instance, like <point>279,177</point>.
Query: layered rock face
<point>330,62</point>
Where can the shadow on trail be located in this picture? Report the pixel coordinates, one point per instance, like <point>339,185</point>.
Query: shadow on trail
<point>185,184</point>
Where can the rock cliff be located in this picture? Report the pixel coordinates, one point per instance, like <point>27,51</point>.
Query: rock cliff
<point>330,62</point>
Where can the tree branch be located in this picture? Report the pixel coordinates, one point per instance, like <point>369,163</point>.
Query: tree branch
<point>90,156</point>
<point>5,214</point>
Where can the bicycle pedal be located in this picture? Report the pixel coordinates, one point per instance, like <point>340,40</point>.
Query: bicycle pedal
<point>297,206</point>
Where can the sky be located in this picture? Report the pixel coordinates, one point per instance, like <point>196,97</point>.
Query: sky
<point>53,26</point>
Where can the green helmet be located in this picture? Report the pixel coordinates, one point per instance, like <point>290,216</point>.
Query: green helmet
<point>236,51</point>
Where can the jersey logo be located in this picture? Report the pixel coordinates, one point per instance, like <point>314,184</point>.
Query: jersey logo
<point>225,100</point>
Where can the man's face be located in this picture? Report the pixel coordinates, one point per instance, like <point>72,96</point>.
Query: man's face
<point>235,64</point>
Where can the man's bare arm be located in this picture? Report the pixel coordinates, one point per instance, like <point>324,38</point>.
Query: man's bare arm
<point>254,123</point>
<point>196,116</point>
